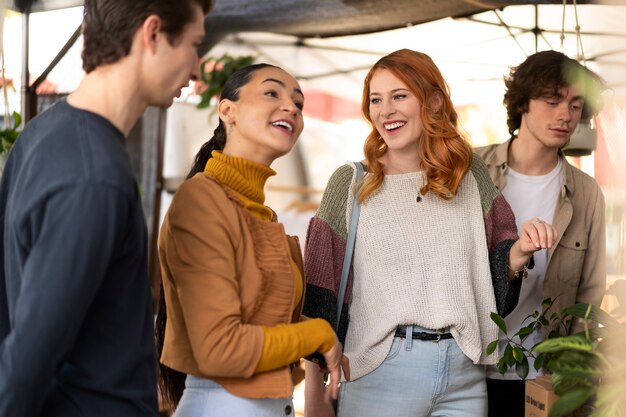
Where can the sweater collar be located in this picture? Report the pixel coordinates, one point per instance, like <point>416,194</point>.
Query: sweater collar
<point>245,178</point>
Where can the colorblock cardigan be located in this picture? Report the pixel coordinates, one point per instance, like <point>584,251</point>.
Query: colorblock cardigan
<point>327,233</point>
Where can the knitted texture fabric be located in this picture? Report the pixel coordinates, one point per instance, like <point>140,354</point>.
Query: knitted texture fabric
<point>435,263</point>
<point>244,178</point>
<point>286,343</point>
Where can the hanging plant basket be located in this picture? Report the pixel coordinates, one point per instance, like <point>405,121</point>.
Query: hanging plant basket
<point>215,72</point>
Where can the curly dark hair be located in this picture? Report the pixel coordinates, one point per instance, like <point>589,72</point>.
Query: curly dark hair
<point>109,25</point>
<point>544,73</point>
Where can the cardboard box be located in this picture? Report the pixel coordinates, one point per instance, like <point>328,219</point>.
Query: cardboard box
<point>539,397</point>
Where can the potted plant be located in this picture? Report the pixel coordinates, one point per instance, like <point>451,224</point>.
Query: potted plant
<point>578,364</point>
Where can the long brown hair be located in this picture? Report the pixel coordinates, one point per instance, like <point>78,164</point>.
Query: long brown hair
<point>445,154</point>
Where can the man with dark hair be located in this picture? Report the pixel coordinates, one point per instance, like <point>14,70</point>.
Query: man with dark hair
<point>76,319</point>
<point>547,95</point>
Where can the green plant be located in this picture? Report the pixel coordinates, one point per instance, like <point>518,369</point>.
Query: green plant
<point>515,353</point>
<point>12,122</point>
<point>576,362</point>
<point>9,134</point>
<point>214,73</point>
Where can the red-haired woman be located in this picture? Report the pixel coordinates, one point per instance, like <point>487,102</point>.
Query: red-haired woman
<point>436,252</point>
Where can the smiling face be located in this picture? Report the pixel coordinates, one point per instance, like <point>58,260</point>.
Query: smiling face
<point>551,119</point>
<point>266,121</point>
<point>395,112</point>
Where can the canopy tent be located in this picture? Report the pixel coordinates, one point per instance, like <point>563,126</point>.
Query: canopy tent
<point>324,31</point>
<point>317,18</point>
<point>331,42</point>
<point>331,18</point>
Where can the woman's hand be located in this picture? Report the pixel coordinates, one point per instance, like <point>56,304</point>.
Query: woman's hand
<point>535,235</point>
<point>317,402</point>
<point>336,361</point>
<point>318,396</point>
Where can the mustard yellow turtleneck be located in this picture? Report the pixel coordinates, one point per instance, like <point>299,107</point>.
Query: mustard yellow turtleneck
<point>285,343</point>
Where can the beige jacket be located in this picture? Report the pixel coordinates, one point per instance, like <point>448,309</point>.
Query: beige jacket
<point>225,274</point>
<point>576,270</point>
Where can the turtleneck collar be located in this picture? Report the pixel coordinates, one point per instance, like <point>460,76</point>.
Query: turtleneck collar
<point>245,178</point>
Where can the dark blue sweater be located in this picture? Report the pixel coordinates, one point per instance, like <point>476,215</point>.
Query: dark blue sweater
<point>76,320</point>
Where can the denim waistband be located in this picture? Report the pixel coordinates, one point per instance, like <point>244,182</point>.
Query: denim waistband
<point>197,382</point>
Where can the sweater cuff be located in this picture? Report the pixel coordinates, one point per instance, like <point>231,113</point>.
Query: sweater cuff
<point>286,343</point>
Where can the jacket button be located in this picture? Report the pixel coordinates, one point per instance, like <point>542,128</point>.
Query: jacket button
<point>288,410</point>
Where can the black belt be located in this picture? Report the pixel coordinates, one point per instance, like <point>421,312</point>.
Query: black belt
<point>433,337</point>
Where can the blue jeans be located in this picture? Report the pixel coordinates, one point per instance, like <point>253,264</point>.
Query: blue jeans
<point>418,379</point>
<point>206,398</point>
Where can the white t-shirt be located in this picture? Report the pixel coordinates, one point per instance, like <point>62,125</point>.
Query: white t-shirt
<point>529,196</point>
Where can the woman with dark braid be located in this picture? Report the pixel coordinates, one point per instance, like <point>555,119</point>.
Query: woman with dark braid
<point>230,322</point>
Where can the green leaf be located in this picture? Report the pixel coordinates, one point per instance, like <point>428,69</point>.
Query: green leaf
<point>524,332</point>
<point>499,321</point>
<point>205,101</point>
<point>554,334</point>
<point>491,347</point>
<point>17,120</point>
<point>575,342</point>
<point>563,384</point>
<point>508,356</point>
<point>570,401</point>
<point>573,364</point>
<point>591,312</point>
<point>518,354</point>
<point>502,366</point>
<point>522,368</point>
<point>539,361</point>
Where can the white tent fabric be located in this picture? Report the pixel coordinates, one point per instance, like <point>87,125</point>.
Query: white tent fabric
<point>473,56</point>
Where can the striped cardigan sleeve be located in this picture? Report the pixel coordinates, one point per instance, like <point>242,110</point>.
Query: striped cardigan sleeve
<point>501,232</point>
<point>324,251</point>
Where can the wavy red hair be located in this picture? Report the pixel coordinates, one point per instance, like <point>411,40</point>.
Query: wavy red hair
<point>445,154</point>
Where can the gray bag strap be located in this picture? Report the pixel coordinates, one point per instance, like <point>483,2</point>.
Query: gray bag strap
<point>347,259</point>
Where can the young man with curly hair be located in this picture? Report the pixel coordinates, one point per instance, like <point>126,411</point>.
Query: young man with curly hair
<point>547,96</point>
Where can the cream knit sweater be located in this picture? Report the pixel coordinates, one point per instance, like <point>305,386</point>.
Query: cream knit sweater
<point>423,263</point>
<point>434,263</point>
